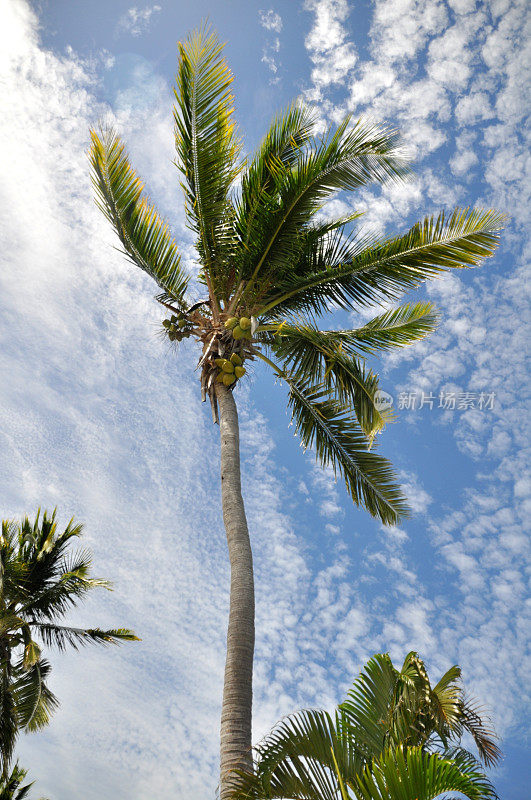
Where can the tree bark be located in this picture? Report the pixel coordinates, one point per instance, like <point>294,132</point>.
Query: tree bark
<point>236,712</point>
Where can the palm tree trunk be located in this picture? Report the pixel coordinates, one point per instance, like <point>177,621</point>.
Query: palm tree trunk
<point>236,712</point>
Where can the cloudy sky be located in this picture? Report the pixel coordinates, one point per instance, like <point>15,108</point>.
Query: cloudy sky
<point>101,419</point>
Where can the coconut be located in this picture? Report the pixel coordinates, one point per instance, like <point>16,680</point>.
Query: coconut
<point>220,377</point>
<point>239,371</point>
<point>228,379</point>
<point>236,360</point>
<point>219,362</point>
<point>231,323</point>
<point>173,318</point>
<point>245,323</point>
<point>166,323</point>
<point>181,322</point>
<point>228,366</point>
<point>237,332</point>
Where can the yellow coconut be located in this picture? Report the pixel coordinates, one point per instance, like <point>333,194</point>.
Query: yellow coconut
<point>227,367</point>
<point>236,360</point>
<point>231,323</point>
<point>239,371</point>
<point>245,323</point>
<point>237,332</point>
<point>228,379</point>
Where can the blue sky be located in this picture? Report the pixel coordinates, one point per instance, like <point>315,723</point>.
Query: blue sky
<point>102,420</point>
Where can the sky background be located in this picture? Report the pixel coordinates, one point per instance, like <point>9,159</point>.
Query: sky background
<point>100,418</point>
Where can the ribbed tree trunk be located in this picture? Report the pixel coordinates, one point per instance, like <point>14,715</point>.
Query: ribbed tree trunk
<point>236,712</point>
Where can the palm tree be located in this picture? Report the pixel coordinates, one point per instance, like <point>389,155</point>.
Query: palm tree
<point>11,787</point>
<point>395,736</point>
<point>270,265</point>
<point>39,582</point>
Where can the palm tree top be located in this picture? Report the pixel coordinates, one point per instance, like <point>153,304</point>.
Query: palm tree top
<point>41,579</point>
<point>271,261</point>
<point>395,736</point>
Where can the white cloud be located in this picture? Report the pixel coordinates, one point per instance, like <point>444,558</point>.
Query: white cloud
<point>270,20</point>
<point>327,42</point>
<point>136,21</point>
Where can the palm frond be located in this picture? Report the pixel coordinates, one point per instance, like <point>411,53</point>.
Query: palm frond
<point>324,424</point>
<point>278,152</point>
<point>402,775</point>
<point>368,703</point>
<point>10,786</point>
<point>145,237</point>
<point>62,636</point>
<point>305,756</point>
<point>321,358</point>
<point>345,159</point>
<point>206,142</point>
<point>398,327</point>
<point>475,723</point>
<point>370,272</point>
<point>34,701</point>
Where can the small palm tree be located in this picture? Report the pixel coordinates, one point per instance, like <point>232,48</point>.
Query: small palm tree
<point>11,787</point>
<point>39,582</point>
<point>270,266</point>
<point>395,736</point>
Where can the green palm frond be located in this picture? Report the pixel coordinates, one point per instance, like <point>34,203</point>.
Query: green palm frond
<point>398,327</point>
<point>34,701</point>
<point>10,786</point>
<point>279,151</point>
<point>367,273</point>
<point>368,703</point>
<point>145,237</point>
<point>323,424</point>
<point>62,636</point>
<point>305,756</point>
<point>207,145</point>
<point>321,358</point>
<point>345,159</point>
<point>403,775</point>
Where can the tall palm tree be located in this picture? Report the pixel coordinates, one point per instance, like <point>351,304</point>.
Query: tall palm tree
<point>396,736</point>
<point>270,265</point>
<point>40,580</point>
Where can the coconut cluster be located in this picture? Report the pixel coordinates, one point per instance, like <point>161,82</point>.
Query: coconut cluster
<point>178,327</point>
<point>240,328</point>
<point>230,369</point>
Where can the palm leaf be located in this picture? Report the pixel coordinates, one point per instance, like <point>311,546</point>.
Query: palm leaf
<point>34,701</point>
<point>399,775</point>
<point>306,756</point>
<point>320,358</point>
<point>145,237</point>
<point>206,143</point>
<point>63,635</point>
<point>367,273</point>
<point>345,159</point>
<point>278,152</point>
<point>327,426</point>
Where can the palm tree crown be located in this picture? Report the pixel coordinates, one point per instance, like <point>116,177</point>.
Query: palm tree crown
<point>40,580</point>
<point>395,736</point>
<point>269,260</point>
